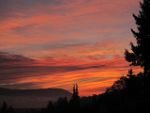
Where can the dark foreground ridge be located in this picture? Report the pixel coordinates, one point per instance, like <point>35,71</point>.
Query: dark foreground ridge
<point>33,98</point>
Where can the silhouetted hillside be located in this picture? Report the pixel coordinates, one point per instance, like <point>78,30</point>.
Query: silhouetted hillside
<point>31,98</point>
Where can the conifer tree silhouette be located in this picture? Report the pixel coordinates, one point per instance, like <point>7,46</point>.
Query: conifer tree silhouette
<point>75,100</point>
<point>75,91</point>
<point>140,53</point>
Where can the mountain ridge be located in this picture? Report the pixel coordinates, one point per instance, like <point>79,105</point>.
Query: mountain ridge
<point>34,98</point>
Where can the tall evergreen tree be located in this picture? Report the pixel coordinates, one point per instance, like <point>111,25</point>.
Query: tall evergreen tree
<point>140,53</point>
<point>75,91</point>
<point>75,100</point>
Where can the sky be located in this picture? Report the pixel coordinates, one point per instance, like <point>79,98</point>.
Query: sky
<point>56,43</point>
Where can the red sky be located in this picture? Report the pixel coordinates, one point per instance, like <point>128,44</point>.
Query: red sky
<point>72,41</point>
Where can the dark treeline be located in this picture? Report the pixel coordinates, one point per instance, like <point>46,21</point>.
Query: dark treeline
<point>131,93</point>
<point>6,109</point>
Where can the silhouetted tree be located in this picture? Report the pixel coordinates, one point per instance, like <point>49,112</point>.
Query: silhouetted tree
<point>50,107</point>
<point>4,107</point>
<point>62,105</point>
<point>130,84</point>
<point>140,53</point>
<point>75,100</point>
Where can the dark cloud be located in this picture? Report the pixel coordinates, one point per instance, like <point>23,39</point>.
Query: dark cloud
<point>6,58</point>
<point>10,74</point>
<point>18,85</point>
<point>15,67</point>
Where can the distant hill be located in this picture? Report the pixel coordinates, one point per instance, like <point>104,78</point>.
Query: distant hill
<point>34,98</point>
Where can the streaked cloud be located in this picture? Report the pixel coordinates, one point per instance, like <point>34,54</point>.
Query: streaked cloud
<point>73,39</point>
<point>21,72</point>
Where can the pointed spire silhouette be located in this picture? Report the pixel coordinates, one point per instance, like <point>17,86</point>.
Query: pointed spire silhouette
<point>75,91</point>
